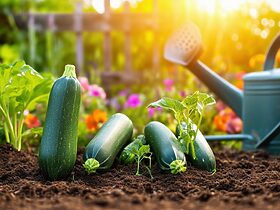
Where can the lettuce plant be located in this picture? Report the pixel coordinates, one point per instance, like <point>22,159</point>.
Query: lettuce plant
<point>21,88</point>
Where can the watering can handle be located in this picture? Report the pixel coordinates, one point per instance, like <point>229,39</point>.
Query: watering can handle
<point>271,54</point>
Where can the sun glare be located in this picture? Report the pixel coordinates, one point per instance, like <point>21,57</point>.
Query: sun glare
<point>98,5</point>
<point>227,6</point>
<point>210,6</point>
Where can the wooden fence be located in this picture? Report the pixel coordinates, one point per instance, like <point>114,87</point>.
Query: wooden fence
<point>126,22</point>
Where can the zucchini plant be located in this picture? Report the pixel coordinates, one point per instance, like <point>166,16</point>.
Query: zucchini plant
<point>127,157</point>
<point>189,113</point>
<point>137,151</point>
<point>58,148</point>
<point>108,142</point>
<point>21,88</point>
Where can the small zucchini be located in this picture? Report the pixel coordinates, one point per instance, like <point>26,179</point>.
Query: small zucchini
<point>58,148</point>
<point>163,144</point>
<point>205,158</point>
<point>109,141</point>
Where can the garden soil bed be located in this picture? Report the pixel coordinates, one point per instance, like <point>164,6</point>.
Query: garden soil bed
<point>243,181</point>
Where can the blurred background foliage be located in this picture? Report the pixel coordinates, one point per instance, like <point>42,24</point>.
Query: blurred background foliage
<point>235,34</point>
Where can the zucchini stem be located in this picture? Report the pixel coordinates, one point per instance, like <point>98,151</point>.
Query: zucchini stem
<point>91,165</point>
<point>69,71</point>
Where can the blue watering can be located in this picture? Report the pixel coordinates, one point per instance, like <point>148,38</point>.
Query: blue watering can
<point>258,105</point>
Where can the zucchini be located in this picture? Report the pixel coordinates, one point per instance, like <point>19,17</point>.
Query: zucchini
<point>205,158</point>
<point>126,156</point>
<point>109,141</point>
<point>58,148</point>
<point>163,144</point>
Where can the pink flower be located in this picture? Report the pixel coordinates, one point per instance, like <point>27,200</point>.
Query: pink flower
<point>84,83</point>
<point>168,83</point>
<point>133,101</point>
<point>234,125</point>
<point>123,92</point>
<point>183,94</point>
<point>95,90</point>
<point>220,106</point>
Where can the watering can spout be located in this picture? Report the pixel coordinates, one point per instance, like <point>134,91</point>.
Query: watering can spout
<point>184,47</point>
<point>230,94</point>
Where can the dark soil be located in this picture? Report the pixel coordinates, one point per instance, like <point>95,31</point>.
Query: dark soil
<point>243,181</point>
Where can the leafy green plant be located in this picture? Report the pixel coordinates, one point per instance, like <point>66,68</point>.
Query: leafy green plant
<point>21,88</point>
<point>178,166</point>
<point>189,111</point>
<point>127,157</point>
<point>91,165</point>
<point>139,152</point>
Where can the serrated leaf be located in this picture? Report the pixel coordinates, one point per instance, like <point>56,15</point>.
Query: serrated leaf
<point>209,101</point>
<point>191,101</point>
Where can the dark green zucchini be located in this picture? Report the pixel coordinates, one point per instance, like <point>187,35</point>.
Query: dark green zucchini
<point>58,148</point>
<point>126,156</point>
<point>163,144</point>
<point>205,158</point>
<point>109,141</point>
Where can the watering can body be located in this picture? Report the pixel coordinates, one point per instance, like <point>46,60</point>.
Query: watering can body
<point>261,108</point>
<point>258,105</point>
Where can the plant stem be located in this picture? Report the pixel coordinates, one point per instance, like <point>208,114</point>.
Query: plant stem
<point>138,166</point>
<point>9,126</point>
<point>198,124</point>
<point>69,71</point>
<point>6,133</point>
<point>150,172</point>
<point>14,120</point>
<point>20,126</point>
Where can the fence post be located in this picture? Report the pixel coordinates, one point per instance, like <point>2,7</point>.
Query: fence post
<point>127,40</point>
<point>156,50</point>
<point>49,42</point>
<point>107,38</point>
<point>31,38</point>
<point>78,24</point>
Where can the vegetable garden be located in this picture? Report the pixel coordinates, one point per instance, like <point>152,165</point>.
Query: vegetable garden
<point>167,132</point>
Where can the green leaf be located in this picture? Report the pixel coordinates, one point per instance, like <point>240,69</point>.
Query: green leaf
<point>21,87</point>
<point>143,150</point>
<point>91,165</point>
<point>33,131</point>
<point>191,101</point>
<point>209,101</point>
<point>169,104</point>
<point>40,94</point>
<point>130,151</point>
<point>177,166</point>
